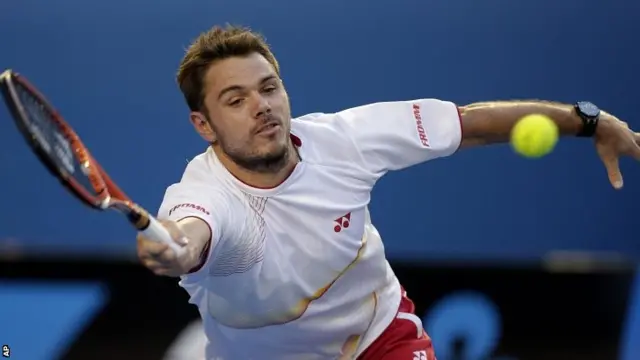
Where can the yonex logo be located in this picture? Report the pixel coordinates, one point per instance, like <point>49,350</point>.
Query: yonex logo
<point>342,222</point>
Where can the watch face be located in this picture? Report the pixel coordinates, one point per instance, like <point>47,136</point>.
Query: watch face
<point>589,109</point>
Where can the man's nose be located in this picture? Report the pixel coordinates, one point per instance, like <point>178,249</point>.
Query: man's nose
<point>262,106</point>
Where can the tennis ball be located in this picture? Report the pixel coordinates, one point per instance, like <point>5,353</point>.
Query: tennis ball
<point>534,136</point>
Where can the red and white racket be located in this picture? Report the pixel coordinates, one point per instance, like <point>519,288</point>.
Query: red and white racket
<point>60,149</point>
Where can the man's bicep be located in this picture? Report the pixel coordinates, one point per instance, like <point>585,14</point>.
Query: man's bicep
<point>396,135</point>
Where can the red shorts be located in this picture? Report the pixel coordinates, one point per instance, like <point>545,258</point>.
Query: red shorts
<point>403,339</point>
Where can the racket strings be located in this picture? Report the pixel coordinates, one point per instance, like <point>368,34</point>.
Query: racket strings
<point>60,149</point>
<point>62,145</point>
<point>38,119</point>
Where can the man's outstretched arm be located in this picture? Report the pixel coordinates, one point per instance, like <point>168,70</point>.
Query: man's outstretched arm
<point>491,122</point>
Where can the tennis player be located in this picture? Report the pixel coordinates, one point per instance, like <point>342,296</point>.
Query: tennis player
<point>281,257</point>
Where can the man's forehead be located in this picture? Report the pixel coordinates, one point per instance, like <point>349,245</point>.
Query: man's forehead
<point>239,71</point>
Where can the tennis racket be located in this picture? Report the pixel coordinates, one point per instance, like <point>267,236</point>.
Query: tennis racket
<point>60,149</point>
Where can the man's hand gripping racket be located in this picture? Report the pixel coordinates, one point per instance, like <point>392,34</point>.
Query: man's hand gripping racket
<point>60,149</point>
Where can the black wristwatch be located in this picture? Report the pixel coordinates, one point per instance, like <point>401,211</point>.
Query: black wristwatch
<point>590,114</point>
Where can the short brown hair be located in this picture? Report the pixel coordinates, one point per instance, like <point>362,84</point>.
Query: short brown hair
<point>214,45</point>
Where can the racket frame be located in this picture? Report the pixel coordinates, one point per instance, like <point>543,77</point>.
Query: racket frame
<point>109,195</point>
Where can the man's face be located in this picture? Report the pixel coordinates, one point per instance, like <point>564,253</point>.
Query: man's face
<point>248,111</point>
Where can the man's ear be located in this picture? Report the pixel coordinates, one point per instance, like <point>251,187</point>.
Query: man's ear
<point>202,126</point>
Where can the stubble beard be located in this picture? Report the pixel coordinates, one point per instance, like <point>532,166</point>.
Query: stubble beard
<point>262,163</point>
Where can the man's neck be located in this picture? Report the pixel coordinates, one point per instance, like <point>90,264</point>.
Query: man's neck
<point>259,179</point>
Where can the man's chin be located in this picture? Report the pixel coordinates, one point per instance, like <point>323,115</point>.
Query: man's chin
<point>271,149</point>
<point>268,160</point>
<point>274,155</point>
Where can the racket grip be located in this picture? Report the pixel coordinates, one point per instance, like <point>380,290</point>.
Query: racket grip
<point>157,232</point>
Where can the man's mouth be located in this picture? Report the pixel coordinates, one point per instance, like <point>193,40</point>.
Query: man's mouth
<point>268,128</point>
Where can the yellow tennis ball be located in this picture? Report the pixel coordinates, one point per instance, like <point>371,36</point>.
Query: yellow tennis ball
<point>534,136</point>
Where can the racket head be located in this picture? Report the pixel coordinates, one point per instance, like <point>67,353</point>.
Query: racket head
<point>53,140</point>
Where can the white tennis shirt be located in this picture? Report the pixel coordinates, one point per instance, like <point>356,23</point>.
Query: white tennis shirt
<point>298,271</point>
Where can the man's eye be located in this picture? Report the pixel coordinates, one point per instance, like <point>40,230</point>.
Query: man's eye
<point>235,102</point>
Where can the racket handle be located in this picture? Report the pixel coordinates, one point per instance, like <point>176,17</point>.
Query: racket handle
<point>157,232</point>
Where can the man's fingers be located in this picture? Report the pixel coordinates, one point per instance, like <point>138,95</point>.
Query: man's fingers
<point>150,263</point>
<point>148,248</point>
<point>158,269</point>
<point>166,272</point>
<point>166,257</point>
<point>612,165</point>
<point>635,146</point>
<point>158,257</point>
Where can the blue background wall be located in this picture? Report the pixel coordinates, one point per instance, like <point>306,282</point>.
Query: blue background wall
<point>109,67</point>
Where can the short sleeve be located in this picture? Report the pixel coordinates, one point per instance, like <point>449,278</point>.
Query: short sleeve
<point>183,200</point>
<point>395,135</point>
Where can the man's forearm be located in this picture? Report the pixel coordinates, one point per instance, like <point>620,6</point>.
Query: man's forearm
<point>491,122</point>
